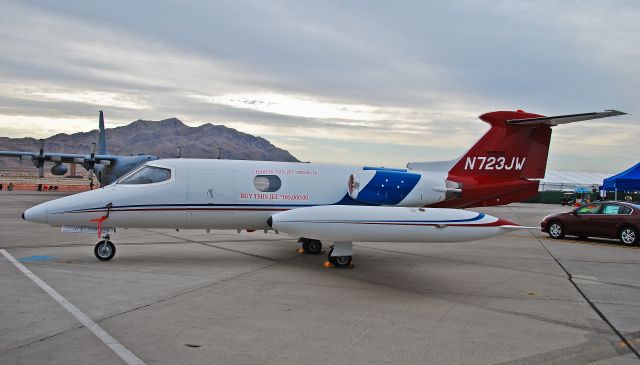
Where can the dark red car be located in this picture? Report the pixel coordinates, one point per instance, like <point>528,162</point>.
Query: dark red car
<point>619,220</point>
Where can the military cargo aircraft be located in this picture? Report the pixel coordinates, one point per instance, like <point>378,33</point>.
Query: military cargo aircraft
<point>106,166</point>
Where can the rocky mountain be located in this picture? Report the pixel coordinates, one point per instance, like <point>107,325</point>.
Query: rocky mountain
<point>158,138</point>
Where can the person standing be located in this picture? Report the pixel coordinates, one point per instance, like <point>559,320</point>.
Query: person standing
<point>10,186</point>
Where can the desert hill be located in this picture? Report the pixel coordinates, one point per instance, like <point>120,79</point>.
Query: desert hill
<point>158,138</point>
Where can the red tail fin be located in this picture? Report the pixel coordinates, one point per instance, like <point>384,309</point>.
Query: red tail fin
<point>507,150</point>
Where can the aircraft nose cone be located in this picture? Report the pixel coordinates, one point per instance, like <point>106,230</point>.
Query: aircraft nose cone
<point>37,214</point>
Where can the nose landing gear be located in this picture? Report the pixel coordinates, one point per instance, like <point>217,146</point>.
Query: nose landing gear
<point>105,249</point>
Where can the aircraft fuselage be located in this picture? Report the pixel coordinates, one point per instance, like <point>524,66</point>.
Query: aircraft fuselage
<point>201,193</point>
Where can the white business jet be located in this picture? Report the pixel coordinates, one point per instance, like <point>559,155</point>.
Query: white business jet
<point>322,202</point>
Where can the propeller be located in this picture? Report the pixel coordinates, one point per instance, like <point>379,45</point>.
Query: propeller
<point>38,160</point>
<point>92,161</point>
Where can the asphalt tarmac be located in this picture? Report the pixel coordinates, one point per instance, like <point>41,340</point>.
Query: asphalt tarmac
<point>226,298</point>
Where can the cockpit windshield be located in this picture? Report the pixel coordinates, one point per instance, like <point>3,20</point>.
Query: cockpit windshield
<point>147,175</point>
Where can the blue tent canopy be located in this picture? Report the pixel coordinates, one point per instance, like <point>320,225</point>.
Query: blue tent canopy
<point>626,180</point>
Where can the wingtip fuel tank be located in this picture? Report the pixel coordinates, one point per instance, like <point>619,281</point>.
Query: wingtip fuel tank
<point>389,224</point>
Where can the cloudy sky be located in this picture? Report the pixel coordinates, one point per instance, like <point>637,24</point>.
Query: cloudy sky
<point>357,82</point>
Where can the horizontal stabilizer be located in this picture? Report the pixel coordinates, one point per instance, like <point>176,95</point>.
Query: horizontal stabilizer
<point>564,119</point>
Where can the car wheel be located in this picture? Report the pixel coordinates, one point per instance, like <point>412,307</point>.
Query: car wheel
<point>556,230</point>
<point>628,236</point>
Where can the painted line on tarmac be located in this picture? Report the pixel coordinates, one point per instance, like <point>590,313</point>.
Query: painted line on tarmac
<point>92,326</point>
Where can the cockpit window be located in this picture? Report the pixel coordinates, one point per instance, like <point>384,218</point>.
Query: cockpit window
<point>147,175</point>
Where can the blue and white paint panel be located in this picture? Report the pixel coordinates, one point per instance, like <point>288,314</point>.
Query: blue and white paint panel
<point>395,187</point>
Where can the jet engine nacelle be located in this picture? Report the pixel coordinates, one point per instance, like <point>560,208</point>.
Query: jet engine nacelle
<point>399,187</point>
<point>58,169</point>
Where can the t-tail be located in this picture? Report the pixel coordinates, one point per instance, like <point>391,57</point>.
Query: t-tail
<point>499,168</point>
<point>102,137</point>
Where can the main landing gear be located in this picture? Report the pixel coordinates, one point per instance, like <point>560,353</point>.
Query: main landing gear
<point>309,246</point>
<point>340,253</point>
<point>105,249</point>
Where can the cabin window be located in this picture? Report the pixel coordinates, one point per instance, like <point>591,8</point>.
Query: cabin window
<point>267,183</point>
<point>147,175</point>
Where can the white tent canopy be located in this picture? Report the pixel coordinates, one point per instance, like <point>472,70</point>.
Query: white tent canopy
<point>571,180</point>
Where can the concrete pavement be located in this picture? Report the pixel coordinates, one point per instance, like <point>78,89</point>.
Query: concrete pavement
<point>192,297</point>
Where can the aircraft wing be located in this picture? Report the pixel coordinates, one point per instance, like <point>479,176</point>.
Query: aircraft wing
<point>564,119</point>
<point>59,157</point>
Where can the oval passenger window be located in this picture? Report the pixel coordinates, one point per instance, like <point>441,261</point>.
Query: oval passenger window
<point>267,183</point>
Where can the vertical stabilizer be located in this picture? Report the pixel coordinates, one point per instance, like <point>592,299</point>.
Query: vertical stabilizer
<point>507,151</point>
<point>102,138</point>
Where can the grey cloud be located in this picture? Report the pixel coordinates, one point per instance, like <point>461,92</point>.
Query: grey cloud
<point>388,53</point>
<point>435,59</point>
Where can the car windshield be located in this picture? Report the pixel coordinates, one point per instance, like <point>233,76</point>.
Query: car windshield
<point>147,175</point>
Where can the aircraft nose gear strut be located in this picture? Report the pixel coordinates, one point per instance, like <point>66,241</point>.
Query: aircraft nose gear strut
<point>104,249</point>
<point>340,255</point>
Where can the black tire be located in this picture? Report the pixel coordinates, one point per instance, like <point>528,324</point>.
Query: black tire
<point>339,261</point>
<point>629,236</point>
<point>104,252</point>
<point>556,230</point>
<point>312,247</point>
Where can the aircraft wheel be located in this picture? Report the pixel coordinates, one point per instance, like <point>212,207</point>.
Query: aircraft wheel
<point>340,261</point>
<point>312,247</point>
<point>556,230</point>
<point>104,251</point>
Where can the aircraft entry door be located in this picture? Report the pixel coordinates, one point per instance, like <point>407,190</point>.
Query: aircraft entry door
<point>211,196</point>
